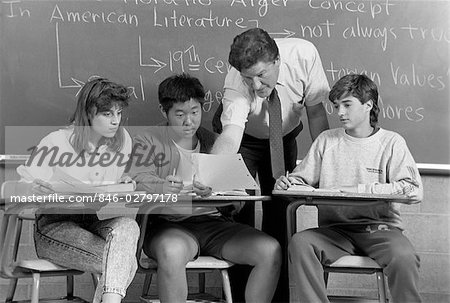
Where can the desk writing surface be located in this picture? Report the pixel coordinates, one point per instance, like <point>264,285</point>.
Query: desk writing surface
<point>339,196</point>
<point>133,199</point>
<point>212,200</point>
<point>230,198</point>
<point>50,48</point>
<point>65,200</point>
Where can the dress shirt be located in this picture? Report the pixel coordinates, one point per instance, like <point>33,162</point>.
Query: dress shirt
<point>301,82</point>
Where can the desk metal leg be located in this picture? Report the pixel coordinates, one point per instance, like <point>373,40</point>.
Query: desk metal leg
<point>291,217</point>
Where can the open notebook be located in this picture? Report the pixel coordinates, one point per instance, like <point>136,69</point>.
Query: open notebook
<point>306,187</point>
<point>64,183</point>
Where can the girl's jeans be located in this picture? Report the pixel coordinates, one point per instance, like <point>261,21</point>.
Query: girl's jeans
<point>85,243</point>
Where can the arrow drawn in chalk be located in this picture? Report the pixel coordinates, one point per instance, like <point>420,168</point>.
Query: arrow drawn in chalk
<point>156,63</point>
<point>77,83</point>
<point>285,32</point>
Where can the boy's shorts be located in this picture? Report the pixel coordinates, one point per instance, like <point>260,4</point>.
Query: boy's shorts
<point>210,232</point>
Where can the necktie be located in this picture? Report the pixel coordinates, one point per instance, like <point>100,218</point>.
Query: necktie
<point>276,135</point>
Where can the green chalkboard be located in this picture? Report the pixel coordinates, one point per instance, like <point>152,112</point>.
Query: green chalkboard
<point>50,48</point>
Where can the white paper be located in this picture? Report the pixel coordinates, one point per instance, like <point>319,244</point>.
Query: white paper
<point>306,187</point>
<point>65,183</point>
<point>222,172</point>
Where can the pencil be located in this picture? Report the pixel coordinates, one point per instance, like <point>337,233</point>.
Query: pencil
<point>174,173</point>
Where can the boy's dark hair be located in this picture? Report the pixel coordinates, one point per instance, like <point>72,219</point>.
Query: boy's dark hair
<point>360,87</point>
<point>251,47</point>
<point>180,88</point>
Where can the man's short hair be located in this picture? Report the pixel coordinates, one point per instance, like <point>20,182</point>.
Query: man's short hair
<point>360,87</point>
<point>251,47</point>
<point>180,88</point>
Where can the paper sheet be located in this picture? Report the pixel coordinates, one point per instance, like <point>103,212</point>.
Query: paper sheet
<point>65,183</point>
<point>306,187</point>
<point>299,186</point>
<point>222,172</point>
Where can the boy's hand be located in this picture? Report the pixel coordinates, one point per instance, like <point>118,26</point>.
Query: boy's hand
<point>284,182</point>
<point>172,185</point>
<point>230,211</point>
<point>202,190</point>
<point>348,189</point>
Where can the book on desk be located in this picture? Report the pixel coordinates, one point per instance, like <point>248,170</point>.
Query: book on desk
<point>331,196</point>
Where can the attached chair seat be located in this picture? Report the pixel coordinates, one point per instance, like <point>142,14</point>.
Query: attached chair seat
<point>41,265</point>
<point>352,264</point>
<point>357,265</point>
<point>201,265</point>
<point>202,262</point>
<point>358,262</point>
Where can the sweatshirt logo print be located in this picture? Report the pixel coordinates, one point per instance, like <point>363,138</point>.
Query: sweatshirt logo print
<point>374,170</point>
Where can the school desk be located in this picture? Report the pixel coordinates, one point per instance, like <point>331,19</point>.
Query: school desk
<point>145,264</point>
<point>196,201</point>
<point>314,198</point>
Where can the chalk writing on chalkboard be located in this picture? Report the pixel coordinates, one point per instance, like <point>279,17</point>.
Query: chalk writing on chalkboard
<point>51,48</point>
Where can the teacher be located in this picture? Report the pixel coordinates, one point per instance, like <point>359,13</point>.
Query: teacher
<point>265,92</point>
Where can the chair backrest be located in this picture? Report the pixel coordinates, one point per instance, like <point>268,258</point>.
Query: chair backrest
<point>9,241</point>
<point>8,232</point>
<point>11,229</point>
<point>13,187</point>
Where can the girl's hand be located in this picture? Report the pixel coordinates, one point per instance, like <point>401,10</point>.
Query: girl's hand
<point>41,187</point>
<point>127,179</point>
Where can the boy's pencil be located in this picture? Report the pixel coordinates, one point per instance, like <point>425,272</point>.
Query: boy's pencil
<point>174,173</point>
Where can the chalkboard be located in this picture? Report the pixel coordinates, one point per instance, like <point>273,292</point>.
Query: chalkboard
<point>50,48</point>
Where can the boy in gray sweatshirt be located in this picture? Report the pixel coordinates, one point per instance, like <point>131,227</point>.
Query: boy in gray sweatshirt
<point>359,157</point>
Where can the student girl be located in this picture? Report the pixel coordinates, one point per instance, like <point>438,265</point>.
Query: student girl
<point>79,239</point>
